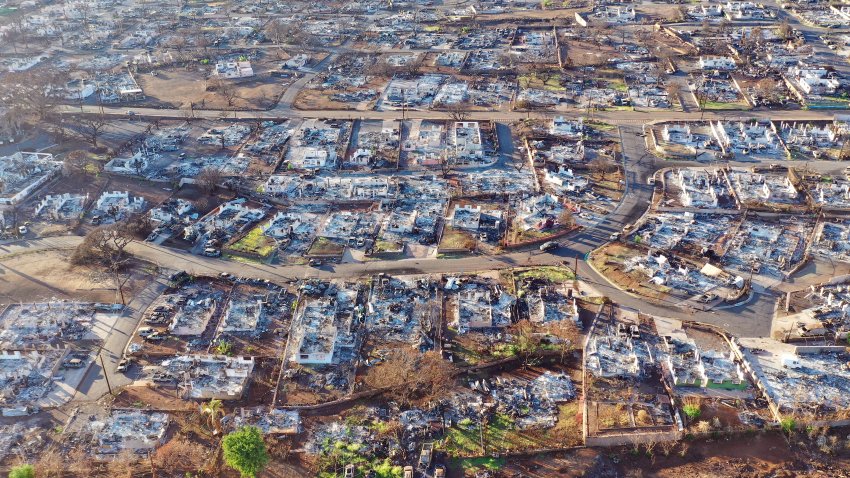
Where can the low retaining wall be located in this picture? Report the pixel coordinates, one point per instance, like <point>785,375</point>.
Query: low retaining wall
<point>633,438</point>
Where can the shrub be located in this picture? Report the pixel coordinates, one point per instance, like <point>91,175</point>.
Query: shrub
<point>22,471</point>
<point>692,411</point>
<point>788,425</point>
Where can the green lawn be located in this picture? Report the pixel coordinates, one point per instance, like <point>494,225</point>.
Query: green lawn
<point>553,274</point>
<point>454,239</point>
<point>323,246</point>
<point>480,464</point>
<point>618,85</point>
<point>600,125</point>
<point>830,102</point>
<point>717,105</point>
<point>500,435</point>
<point>388,246</point>
<point>532,81</point>
<point>255,242</point>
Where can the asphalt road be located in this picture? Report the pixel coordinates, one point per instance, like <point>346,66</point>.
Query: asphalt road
<point>753,318</point>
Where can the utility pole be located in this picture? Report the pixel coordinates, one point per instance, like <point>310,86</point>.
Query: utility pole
<point>105,374</point>
<point>575,267</point>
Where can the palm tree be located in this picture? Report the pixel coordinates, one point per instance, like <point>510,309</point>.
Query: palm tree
<point>214,410</point>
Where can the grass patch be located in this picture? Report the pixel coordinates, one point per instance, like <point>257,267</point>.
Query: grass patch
<point>719,105</point>
<point>618,85</point>
<point>454,239</point>
<point>830,102</point>
<point>533,81</point>
<point>323,246</point>
<point>618,108</point>
<point>531,234</point>
<point>568,428</point>
<point>255,242</point>
<point>243,260</point>
<point>388,246</point>
<point>600,125</point>
<point>480,464</point>
<point>500,435</point>
<point>552,274</point>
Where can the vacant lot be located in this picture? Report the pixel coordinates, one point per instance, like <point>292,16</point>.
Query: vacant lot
<point>47,275</point>
<point>178,88</point>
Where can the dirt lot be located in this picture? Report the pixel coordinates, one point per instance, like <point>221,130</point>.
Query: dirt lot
<point>609,260</point>
<point>47,275</point>
<point>178,87</point>
<point>319,99</point>
<point>747,456</point>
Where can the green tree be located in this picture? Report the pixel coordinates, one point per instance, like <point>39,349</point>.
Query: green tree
<point>245,451</point>
<point>22,471</point>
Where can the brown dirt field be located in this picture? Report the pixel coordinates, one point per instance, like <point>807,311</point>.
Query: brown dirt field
<point>608,261</point>
<point>178,88</point>
<point>156,398</point>
<point>587,53</point>
<point>47,274</point>
<point>316,99</point>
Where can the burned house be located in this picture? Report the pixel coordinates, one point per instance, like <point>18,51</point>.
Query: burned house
<point>205,377</point>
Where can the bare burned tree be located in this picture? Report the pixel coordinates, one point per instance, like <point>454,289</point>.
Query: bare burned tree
<point>209,179</point>
<point>673,90</point>
<point>566,219</point>
<point>458,112</point>
<point>180,455</point>
<point>123,465</point>
<point>412,376</point>
<point>50,464</point>
<point>79,463</point>
<point>527,343</point>
<point>91,128</point>
<point>229,92</point>
<point>603,167</point>
<point>104,250</point>
<point>785,30</point>
<point>178,43</point>
<point>567,333</point>
<point>279,31</point>
<point>75,162</point>
<point>769,89</point>
<point>518,161</point>
<point>31,91</point>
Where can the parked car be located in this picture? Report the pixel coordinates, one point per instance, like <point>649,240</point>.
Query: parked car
<point>123,365</point>
<point>549,246</point>
<point>614,236</point>
<point>155,337</point>
<point>146,331</point>
<point>73,363</point>
<point>426,455</point>
<point>212,252</point>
